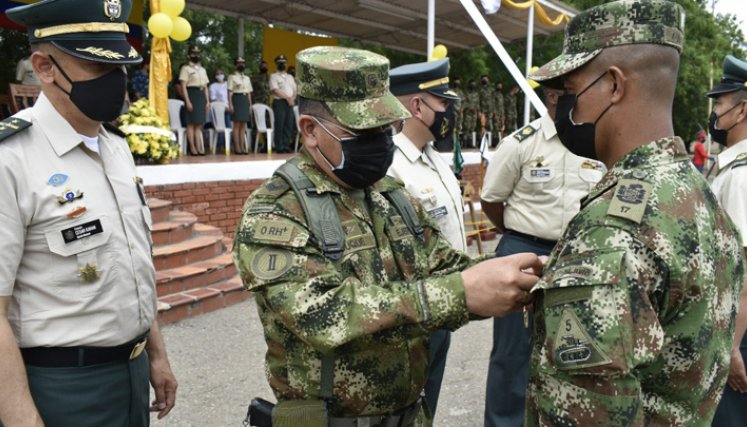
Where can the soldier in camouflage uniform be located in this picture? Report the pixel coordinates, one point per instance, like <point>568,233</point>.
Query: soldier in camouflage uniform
<point>487,104</point>
<point>510,107</point>
<point>350,274</point>
<point>456,87</point>
<point>261,85</point>
<point>500,111</point>
<point>634,315</point>
<point>471,113</point>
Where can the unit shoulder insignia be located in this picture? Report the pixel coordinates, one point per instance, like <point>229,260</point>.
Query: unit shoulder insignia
<point>630,199</point>
<point>524,133</point>
<point>11,126</point>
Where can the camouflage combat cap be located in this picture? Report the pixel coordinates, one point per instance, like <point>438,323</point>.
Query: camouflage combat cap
<point>94,30</point>
<point>618,23</point>
<point>353,84</point>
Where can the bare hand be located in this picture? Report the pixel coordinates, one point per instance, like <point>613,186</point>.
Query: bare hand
<point>164,385</point>
<point>737,379</point>
<point>189,107</point>
<point>500,285</point>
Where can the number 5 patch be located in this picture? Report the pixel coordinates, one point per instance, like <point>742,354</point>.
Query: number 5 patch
<point>573,348</point>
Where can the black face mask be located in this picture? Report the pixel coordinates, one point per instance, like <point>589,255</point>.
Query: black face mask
<point>365,158</point>
<point>241,68</point>
<point>457,84</point>
<point>473,85</point>
<point>262,70</point>
<point>100,99</point>
<point>194,58</point>
<point>720,135</point>
<point>485,82</point>
<point>443,122</point>
<point>577,138</point>
<point>281,66</point>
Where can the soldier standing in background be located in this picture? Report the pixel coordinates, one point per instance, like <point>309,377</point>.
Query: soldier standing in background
<point>456,87</point>
<point>261,85</point>
<point>635,313</point>
<point>511,112</point>
<point>487,106</point>
<point>470,107</point>
<point>500,112</point>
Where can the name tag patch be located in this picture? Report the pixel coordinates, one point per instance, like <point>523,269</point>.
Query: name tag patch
<point>439,212</point>
<point>82,231</point>
<point>540,172</point>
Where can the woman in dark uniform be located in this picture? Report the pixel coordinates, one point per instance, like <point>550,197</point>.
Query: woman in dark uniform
<point>240,103</point>
<point>193,82</point>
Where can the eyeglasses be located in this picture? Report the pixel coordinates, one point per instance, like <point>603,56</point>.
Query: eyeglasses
<point>391,129</point>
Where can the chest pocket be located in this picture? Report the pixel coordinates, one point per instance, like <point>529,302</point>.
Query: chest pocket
<point>86,260</point>
<point>582,314</point>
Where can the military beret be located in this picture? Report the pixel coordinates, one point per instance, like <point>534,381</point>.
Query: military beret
<point>734,79</point>
<point>352,83</point>
<point>618,23</point>
<point>94,30</point>
<point>431,77</point>
<point>280,58</point>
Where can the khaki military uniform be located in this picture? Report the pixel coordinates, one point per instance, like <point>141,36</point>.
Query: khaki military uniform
<point>428,178</point>
<point>372,310</point>
<point>196,80</point>
<point>540,181</point>
<point>76,238</point>
<point>729,184</point>
<point>635,312</point>
<point>240,86</point>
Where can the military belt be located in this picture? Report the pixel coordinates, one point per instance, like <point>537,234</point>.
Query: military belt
<point>401,418</point>
<point>69,357</point>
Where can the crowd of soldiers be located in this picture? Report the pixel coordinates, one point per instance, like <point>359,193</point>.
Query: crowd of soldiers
<point>484,109</point>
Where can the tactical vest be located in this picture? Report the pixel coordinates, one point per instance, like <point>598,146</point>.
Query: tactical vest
<point>321,214</point>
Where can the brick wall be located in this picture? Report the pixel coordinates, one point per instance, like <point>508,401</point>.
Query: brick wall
<point>219,203</point>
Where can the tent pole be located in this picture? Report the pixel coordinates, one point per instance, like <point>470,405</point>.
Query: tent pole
<point>490,36</point>
<point>431,27</point>
<point>530,49</point>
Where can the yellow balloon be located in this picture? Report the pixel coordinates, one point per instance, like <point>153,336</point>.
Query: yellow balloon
<point>172,7</point>
<point>182,29</point>
<point>160,25</point>
<point>533,84</point>
<point>439,52</point>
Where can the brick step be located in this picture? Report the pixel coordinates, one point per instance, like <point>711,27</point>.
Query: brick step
<point>159,209</point>
<point>178,228</point>
<point>208,230</point>
<point>196,275</point>
<point>175,307</point>
<point>194,249</point>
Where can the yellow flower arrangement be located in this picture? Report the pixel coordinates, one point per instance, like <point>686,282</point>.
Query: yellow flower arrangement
<point>148,136</point>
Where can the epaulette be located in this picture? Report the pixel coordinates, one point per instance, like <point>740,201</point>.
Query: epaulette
<point>113,129</point>
<point>524,133</point>
<point>740,161</point>
<point>11,126</point>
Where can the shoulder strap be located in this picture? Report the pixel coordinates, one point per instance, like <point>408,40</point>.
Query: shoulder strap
<point>401,203</point>
<point>11,126</point>
<point>322,217</point>
<point>326,387</point>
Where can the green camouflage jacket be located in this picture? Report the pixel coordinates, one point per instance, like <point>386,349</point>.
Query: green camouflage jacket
<point>509,103</point>
<point>373,309</point>
<point>471,101</point>
<point>487,103</point>
<point>261,89</point>
<point>635,312</point>
<point>498,100</point>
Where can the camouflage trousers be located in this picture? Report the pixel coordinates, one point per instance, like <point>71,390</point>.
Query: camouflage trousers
<point>470,125</point>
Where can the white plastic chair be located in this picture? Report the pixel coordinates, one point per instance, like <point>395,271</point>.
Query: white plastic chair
<point>260,112</point>
<point>297,115</point>
<point>218,111</point>
<point>175,123</point>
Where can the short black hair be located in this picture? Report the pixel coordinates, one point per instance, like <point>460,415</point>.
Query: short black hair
<point>313,107</point>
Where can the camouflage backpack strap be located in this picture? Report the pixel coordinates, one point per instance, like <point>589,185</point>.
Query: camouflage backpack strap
<point>401,203</point>
<point>322,217</point>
